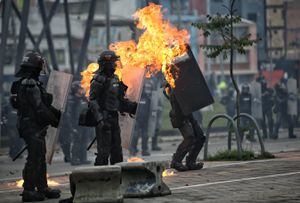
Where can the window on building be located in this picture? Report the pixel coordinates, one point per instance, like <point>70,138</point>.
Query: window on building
<point>252,17</point>
<point>241,58</point>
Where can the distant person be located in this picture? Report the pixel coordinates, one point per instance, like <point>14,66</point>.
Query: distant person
<point>245,107</point>
<point>280,105</point>
<point>142,120</point>
<point>268,97</point>
<point>79,134</point>
<point>228,100</point>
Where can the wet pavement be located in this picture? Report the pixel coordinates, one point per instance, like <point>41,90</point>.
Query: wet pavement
<point>272,180</point>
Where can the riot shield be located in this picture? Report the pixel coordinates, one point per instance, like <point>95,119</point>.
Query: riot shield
<point>292,97</point>
<point>191,90</point>
<point>134,79</point>
<point>256,102</point>
<point>58,85</point>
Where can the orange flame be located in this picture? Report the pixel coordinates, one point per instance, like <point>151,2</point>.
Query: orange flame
<point>156,49</point>
<point>168,172</point>
<point>19,183</point>
<point>135,159</point>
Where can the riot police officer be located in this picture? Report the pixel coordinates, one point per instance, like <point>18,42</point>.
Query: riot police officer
<point>245,107</point>
<point>79,134</point>
<point>280,105</point>
<point>193,137</point>
<point>142,119</point>
<point>228,101</point>
<point>107,98</point>
<point>35,114</point>
<point>267,108</point>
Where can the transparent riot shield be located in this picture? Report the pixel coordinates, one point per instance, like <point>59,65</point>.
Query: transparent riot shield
<point>134,79</point>
<point>292,97</point>
<point>58,85</point>
<point>256,102</point>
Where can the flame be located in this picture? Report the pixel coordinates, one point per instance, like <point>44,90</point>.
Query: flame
<point>135,159</point>
<point>87,76</point>
<point>19,183</point>
<point>155,50</point>
<point>168,172</point>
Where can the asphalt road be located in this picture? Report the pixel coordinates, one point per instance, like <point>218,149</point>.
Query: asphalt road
<point>274,180</point>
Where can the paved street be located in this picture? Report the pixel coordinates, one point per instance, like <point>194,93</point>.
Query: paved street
<point>273,180</point>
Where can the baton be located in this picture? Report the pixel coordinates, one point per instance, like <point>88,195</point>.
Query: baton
<point>24,148</point>
<point>91,144</point>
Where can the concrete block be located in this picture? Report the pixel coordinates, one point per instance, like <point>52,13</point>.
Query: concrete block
<point>143,179</point>
<point>96,184</point>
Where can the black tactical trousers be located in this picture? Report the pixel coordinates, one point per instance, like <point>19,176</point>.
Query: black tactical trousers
<point>141,130</point>
<point>267,119</point>
<point>34,173</point>
<point>193,141</point>
<point>154,138</point>
<point>290,120</point>
<point>109,142</point>
<point>79,144</point>
<point>65,142</point>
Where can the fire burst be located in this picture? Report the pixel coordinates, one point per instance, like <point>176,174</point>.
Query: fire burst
<point>135,159</point>
<point>156,49</point>
<point>19,183</point>
<point>168,172</point>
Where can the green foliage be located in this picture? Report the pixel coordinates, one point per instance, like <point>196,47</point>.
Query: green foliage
<point>222,25</point>
<point>232,155</point>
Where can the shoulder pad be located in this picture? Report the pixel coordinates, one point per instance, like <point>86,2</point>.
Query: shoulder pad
<point>99,78</point>
<point>29,82</point>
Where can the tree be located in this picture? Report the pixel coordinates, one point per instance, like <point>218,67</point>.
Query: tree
<point>222,26</point>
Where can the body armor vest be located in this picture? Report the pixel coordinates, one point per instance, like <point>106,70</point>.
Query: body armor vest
<point>111,100</point>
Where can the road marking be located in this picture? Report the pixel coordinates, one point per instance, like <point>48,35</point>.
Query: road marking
<point>236,180</point>
<point>5,180</point>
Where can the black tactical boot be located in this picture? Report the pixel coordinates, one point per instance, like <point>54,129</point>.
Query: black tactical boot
<point>51,193</point>
<point>32,196</point>
<point>178,166</point>
<point>191,163</point>
<point>177,162</point>
<point>195,166</point>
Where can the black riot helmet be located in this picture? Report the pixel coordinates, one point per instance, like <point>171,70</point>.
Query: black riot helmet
<point>107,62</point>
<point>31,65</point>
<point>245,88</point>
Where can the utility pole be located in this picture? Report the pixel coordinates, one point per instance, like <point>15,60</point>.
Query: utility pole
<point>108,23</point>
<point>6,12</point>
